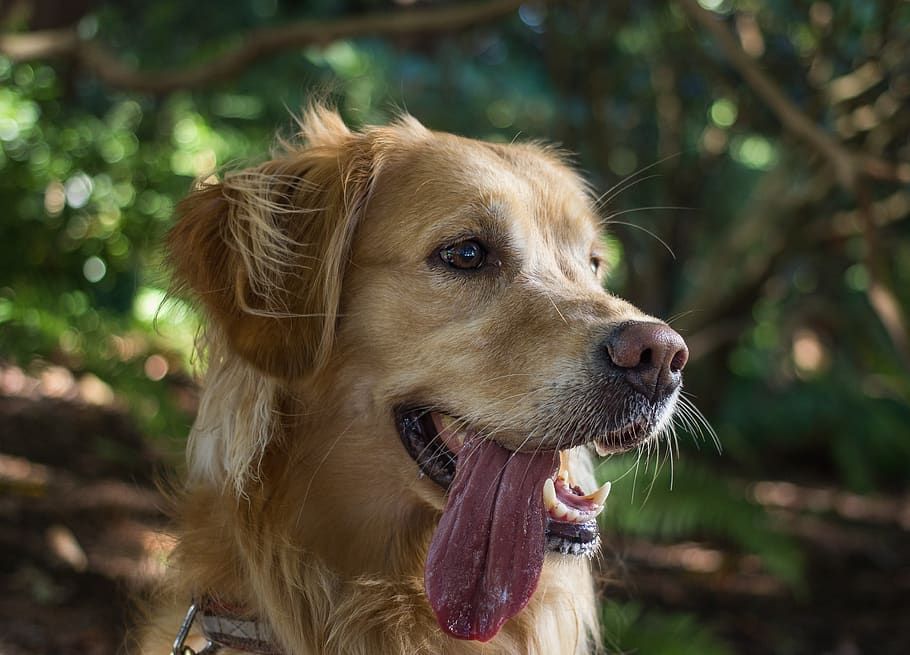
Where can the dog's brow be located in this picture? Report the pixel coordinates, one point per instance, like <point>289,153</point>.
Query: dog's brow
<point>485,218</point>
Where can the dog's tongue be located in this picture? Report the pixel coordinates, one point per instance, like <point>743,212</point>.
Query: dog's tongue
<point>487,553</point>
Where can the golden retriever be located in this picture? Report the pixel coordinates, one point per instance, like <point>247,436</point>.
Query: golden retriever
<point>410,357</point>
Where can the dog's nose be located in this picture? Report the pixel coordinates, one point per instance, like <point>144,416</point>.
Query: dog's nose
<point>651,355</point>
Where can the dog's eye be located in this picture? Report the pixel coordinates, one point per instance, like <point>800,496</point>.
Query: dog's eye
<point>464,255</point>
<point>595,265</point>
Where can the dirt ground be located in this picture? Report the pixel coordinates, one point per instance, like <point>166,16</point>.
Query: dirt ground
<point>82,530</point>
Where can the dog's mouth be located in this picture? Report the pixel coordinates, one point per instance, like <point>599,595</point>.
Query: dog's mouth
<point>504,510</point>
<point>434,440</point>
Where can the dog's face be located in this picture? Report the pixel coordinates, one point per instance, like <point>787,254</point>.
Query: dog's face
<point>476,291</point>
<point>450,293</point>
<point>475,302</point>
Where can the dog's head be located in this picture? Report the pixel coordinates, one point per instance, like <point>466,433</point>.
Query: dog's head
<point>451,293</point>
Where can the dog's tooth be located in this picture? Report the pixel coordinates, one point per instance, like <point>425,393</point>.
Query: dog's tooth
<point>563,465</point>
<point>549,494</point>
<point>601,449</point>
<point>599,497</point>
<point>572,515</point>
<point>559,510</point>
<point>446,421</point>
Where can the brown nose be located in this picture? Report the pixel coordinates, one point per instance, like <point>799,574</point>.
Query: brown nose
<point>651,355</point>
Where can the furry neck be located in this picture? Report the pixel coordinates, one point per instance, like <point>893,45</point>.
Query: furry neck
<point>314,608</point>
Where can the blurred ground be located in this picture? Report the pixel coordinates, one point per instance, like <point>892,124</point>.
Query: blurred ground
<point>82,530</point>
<point>81,520</point>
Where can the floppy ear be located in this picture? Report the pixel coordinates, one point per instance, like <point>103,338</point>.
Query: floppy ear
<point>266,249</point>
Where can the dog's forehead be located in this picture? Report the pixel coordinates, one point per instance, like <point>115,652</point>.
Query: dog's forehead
<point>527,186</point>
<point>555,195</point>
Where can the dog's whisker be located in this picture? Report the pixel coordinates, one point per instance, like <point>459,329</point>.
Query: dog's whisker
<point>701,426</point>
<point>683,415</point>
<point>635,174</point>
<point>550,298</point>
<point>325,457</point>
<point>639,452</point>
<point>654,474</point>
<point>645,230</point>
<point>605,199</point>
<point>679,315</point>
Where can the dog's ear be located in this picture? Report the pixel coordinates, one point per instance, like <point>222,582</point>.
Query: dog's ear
<point>265,250</point>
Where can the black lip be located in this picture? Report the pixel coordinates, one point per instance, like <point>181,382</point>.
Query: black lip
<point>572,538</point>
<point>629,436</point>
<point>418,435</point>
<point>435,461</point>
<point>577,532</point>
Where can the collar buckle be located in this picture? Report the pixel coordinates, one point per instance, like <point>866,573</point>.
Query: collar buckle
<point>180,647</point>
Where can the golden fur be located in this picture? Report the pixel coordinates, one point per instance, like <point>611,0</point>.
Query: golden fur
<point>326,309</point>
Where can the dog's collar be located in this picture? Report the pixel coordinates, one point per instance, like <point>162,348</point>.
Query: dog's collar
<point>225,625</point>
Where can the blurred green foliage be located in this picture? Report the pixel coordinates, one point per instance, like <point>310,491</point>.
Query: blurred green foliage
<point>629,629</point>
<point>696,501</point>
<point>769,279</point>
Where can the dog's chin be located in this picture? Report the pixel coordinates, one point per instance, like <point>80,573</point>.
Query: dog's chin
<point>645,425</point>
<point>434,439</point>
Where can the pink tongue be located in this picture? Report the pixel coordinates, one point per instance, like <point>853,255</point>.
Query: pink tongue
<point>487,553</point>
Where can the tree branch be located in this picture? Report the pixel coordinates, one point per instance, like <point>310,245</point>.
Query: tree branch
<point>848,166</point>
<point>256,45</point>
<point>853,170</point>
<point>883,300</point>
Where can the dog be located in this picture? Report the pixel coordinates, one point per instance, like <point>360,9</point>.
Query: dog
<point>410,359</point>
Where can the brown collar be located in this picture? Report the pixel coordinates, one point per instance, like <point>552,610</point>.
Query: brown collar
<point>226,625</point>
